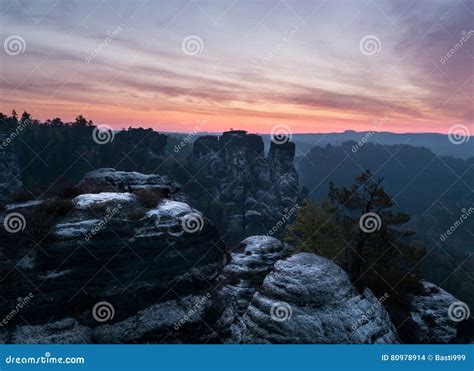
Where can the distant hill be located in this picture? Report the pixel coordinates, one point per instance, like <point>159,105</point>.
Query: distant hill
<point>437,143</point>
<point>416,177</point>
<point>437,191</point>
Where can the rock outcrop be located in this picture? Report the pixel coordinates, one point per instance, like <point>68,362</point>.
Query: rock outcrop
<point>116,271</point>
<point>109,179</point>
<point>248,267</point>
<point>250,192</point>
<point>309,299</point>
<point>433,317</point>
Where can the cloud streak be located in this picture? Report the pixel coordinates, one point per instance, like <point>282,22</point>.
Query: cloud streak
<point>317,81</point>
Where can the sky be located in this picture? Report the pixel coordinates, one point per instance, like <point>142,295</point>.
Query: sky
<point>194,65</point>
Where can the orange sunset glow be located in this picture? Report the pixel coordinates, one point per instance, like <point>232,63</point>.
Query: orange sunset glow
<point>247,65</point>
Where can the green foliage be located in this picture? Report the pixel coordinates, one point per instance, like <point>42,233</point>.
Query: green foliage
<point>316,229</point>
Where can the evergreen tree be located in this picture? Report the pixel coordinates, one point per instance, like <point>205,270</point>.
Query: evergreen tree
<point>378,256</point>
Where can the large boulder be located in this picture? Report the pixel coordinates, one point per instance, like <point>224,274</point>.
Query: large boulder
<point>434,316</point>
<point>309,299</point>
<point>109,179</point>
<point>248,267</point>
<point>115,271</point>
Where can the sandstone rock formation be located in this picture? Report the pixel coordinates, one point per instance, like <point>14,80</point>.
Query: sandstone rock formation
<point>113,270</point>
<point>250,193</point>
<point>147,269</point>
<point>109,179</point>
<point>431,320</point>
<point>309,299</point>
<point>249,266</point>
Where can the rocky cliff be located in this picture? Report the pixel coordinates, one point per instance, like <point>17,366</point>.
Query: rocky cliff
<point>306,298</point>
<point>116,271</point>
<point>249,193</point>
<point>309,299</point>
<point>129,260</point>
<point>249,265</point>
